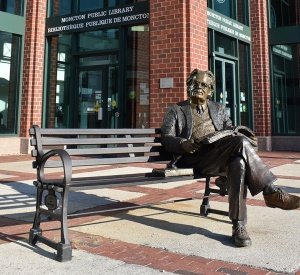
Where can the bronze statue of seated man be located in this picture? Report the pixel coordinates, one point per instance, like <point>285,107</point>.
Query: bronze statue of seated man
<point>185,131</point>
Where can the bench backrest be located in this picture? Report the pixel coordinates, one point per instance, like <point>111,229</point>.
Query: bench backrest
<point>99,146</point>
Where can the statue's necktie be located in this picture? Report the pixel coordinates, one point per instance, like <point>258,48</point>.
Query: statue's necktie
<point>200,110</point>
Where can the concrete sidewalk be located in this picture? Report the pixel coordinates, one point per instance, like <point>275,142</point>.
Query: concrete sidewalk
<point>168,237</point>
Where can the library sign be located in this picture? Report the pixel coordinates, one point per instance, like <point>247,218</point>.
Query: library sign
<point>228,26</point>
<point>134,14</point>
<point>283,51</point>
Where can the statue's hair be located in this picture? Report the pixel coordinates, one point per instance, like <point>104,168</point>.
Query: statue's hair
<point>197,71</point>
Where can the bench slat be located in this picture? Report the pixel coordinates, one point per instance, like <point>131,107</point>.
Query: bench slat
<point>92,141</point>
<point>104,151</point>
<point>102,161</point>
<point>115,181</point>
<point>120,131</point>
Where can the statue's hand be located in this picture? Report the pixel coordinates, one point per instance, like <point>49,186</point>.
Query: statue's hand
<point>189,146</point>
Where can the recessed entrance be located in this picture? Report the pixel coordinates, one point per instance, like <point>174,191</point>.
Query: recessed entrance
<point>98,98</point>
<point>226,86</point>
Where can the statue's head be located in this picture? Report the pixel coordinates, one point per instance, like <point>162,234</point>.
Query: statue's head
<point>200,86</point>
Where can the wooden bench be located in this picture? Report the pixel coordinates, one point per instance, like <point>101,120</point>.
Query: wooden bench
<point>69,148</point>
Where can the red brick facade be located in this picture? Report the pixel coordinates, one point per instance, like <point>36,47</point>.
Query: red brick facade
<point>178,44</point>
<point>260,68</point>
<point>33,69</point>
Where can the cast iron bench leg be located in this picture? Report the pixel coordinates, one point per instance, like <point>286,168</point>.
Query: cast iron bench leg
<point>64,249</point>
<point>36,231</point>
<point>204,208</point>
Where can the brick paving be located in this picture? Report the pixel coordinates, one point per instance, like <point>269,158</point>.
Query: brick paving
<point>156,258</point>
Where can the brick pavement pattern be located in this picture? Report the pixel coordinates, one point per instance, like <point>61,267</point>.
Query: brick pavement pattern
<point>14,228</point>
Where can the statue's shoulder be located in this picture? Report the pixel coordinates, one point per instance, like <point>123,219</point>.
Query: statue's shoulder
<point>179,105</point>
<point>215,105</point>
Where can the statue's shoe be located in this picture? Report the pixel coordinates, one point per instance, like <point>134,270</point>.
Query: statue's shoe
<point>282,199</point>
<point>221,183</point>
<point>240,236</point>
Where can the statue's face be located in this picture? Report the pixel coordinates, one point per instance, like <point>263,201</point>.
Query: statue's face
<point>200,88</point>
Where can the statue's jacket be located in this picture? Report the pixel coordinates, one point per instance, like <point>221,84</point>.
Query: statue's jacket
<point>178,124</point>
<point>177,127</point>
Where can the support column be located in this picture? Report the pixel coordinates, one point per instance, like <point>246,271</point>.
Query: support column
<point>178,44</point>
<point>33,69</point>
<point>261,73</point>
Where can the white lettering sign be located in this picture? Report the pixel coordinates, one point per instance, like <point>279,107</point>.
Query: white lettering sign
<point>137,13</point>
<point>228,26</point>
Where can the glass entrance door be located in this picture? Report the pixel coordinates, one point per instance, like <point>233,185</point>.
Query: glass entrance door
<point>98,97</point>
<point>280,103</point>
<point>225,92</point>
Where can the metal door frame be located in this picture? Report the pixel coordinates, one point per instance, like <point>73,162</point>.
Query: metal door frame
<point>235,97</point>
<point>104,69</point>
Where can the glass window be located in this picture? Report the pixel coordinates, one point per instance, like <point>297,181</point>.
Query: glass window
<point>9,82</point>
<point>237,10</point>
<point>58,97</point>
<point>85,88</point>
<point>99,40</point>
<point>137,77</point>
<point>243,12</point>
<point>285,89</point>
<point>245,83</point>
<point>133,1</point>
<point>96,4</point>
<point>61,7</point>
<point>12,6</point>
<point>284,13</point>
<point>225,44</point>
<point>225,7</point>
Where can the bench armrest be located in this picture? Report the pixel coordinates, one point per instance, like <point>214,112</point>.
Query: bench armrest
<point>66,163</point>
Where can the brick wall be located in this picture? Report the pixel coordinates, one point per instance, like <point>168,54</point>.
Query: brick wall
<point>51,93</point>
<point>32,88</point>
<point>178,44</point>
<point>260,68</point>
<point>141,66</point>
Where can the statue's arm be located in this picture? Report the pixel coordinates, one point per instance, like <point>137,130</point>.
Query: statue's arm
<point>227,123</point>
<point>170,133</point>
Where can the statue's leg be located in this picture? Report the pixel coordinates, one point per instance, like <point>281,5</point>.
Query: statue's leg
<point>237,195</point>
<point>258,175</point>
<point>237,191</point>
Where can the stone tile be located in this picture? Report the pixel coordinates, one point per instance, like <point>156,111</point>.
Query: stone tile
<point>3,176</point>
<point>289,185</point>
<point>292,169</point>
<point>187,233</point>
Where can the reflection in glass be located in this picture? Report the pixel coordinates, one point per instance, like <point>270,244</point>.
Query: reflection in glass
<point>225,86</point>
<point>84,75</point>
<point>64,7</point>
<point>12,6</point>
<point>99,40</point>
<point>286,89</point>
<point>225,44</point>
<point>243,12</point>
<point>85,5</point>
<point>245,83</point>
<point>284,13</point>
<point>237,10</point>
<point>58,96</point>
<point>9,75</point>
<point>226,7</point>
<point>137,77</point>
<point>98,97</point>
